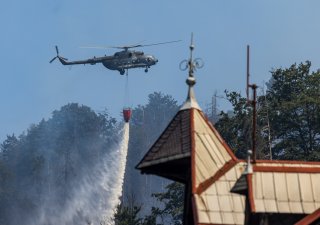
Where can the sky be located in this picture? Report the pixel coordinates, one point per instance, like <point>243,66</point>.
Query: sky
<point>279,33</point>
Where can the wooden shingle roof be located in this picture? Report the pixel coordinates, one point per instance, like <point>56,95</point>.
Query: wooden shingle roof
<point>169,156</point>
<point>283,187</point>
<point>215,170</point>
<point>173,143</point>
<point>216,205</point>
<point>191,148</point>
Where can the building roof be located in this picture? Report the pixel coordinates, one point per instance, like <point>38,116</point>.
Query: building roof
<point>311,219</point>
<point>283,187</point>
<point>173,143</point>
<point>172,149</point>
<point>191,143</point>
<point>215,169</point>
<point>211,153</point>
<point>216,205</point>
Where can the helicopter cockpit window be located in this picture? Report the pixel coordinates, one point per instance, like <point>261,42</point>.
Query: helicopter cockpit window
<point>116,54</point>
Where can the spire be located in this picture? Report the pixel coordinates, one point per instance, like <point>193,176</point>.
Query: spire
<point>191,64</point>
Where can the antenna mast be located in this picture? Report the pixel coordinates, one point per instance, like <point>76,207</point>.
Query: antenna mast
<point>248,72</point>
<point>253,103</point>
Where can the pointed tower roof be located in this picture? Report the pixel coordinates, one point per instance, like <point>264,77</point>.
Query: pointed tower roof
<point>169,155</point>
<point>173,147</point>
<point>190,150</point>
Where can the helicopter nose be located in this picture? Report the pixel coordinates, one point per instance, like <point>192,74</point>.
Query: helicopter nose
<point>155,60</point>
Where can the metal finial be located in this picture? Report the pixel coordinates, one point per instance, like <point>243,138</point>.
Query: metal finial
<point>191,45</point>
<point>191,64</point>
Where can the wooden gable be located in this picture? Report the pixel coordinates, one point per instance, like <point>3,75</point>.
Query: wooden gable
<point>169,156</point>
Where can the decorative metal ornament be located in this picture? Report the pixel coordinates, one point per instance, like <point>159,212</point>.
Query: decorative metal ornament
<point>191,64</point>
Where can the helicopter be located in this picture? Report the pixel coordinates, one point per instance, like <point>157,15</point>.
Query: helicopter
<point>121,61</point>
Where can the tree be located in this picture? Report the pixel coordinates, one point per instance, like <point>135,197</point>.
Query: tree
<point>41,168</point>
<point>127,215</point>
<point>170,210</point>
<point>292,105</point>
<point>294,99</point>
<point>235,126</point>
<point>172,201</point>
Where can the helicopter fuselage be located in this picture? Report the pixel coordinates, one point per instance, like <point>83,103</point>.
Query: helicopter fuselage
<point>129,59</point>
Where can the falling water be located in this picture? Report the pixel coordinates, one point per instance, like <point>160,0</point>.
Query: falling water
<point>116,189</point>
<point>96,197</point>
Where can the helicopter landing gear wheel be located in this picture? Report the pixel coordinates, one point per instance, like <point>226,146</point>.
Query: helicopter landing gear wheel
<point>122,72</point>
<point>146,70</point>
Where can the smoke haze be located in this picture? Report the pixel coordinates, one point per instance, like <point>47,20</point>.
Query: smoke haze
<point>94,199</point>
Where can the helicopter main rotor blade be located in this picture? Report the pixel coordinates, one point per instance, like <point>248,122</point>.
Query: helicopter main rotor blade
<point>106,47</point>
<point>140,45</point>
<point>95,47</point>
<point>126,47</point>
<point>118,47</point>
<point>160,43</point>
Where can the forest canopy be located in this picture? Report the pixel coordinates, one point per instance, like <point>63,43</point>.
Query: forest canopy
<point>288,117</point>
<point>41,169</point>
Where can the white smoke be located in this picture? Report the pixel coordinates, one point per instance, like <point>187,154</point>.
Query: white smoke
<point>98,194</point>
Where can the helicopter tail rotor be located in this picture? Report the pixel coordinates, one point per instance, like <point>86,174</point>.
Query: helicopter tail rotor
<point>57,50</point>
<point>53,59</point>
<point>58,56</point>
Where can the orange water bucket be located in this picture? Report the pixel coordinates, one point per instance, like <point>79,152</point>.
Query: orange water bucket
<point>127,114</point>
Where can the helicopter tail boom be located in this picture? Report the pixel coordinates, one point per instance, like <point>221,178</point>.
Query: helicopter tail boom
<point>91,61</point>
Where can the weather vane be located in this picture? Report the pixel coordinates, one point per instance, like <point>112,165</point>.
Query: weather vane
<point>192,64</point>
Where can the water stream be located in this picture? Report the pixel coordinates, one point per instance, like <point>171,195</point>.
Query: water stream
<point>95,199</point>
